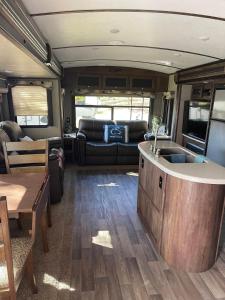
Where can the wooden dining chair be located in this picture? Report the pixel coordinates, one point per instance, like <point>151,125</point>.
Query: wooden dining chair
<point>28,157</point>
<point>15,257</point>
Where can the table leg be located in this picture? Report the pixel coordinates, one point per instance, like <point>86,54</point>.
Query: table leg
<point>30,273</point>
<point>44,231</point>
<point>49,215</point>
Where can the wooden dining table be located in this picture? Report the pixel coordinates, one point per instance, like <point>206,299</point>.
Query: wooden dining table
<point>25,192</point>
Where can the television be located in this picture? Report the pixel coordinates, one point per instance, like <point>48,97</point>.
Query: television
<point>196,118</point>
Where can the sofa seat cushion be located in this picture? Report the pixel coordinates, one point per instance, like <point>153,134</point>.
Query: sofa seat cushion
<point>101,149</point>
<point>130,149</point>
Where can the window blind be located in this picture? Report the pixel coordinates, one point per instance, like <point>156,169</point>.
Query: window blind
<point>30,101</point>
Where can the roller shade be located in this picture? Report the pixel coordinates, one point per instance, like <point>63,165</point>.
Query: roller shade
<point>30,101</point>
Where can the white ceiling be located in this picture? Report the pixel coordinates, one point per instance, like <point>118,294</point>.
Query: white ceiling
<point>15,62</point>
<point>148,38</point>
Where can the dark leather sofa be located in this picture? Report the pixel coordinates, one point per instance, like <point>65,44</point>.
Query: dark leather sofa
<point>11,131</point>
<point>92,150</point>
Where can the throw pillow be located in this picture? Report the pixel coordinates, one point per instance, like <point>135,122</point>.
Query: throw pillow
<point>116,133</point>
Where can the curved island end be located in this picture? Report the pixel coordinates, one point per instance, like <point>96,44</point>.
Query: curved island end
<point>181,203</point>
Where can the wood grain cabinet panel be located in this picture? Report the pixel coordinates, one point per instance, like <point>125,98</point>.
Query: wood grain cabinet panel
<point>143,165</point>
<point>155,185</point>
<point>154,223</point>
<point>151,198</point>
<point>191,226</point>
<point>142,204</point>
<point>183,218</point>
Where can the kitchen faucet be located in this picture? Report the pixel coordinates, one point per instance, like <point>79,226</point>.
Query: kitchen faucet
<point>156,137</point>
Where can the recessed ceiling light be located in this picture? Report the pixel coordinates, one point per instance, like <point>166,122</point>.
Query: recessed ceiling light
<point>204,38</point>
<point>164,62</point>
<point>114,30</point>
<point>116,43</point>
<point>176,54</point>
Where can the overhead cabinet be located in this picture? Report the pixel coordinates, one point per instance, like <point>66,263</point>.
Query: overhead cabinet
<point>88,81</point>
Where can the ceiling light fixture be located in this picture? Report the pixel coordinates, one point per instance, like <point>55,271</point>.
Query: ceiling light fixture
<point>176,54</point>
<point>204,38</point>
<point>116,43</point>
<point>164,62</point>
<point>114,30</point>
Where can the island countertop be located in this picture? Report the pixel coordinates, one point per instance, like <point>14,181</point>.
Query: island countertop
<point>208,172</point>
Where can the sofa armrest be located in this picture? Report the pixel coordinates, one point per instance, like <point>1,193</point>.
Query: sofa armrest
<point>81,136</point>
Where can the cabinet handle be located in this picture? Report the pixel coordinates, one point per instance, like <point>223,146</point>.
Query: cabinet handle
<point>142,163</point>
<point>160,182</point>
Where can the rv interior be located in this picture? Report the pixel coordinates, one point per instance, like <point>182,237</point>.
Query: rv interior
<point>112,150</point>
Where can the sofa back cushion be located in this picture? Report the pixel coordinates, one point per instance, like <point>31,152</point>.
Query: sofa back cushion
<point>116,133</point>
<point>12,129</point>
<point>93,129</point>
<point>137,129</point>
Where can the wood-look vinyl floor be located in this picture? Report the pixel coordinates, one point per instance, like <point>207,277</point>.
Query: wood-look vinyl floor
<point>99,249</point>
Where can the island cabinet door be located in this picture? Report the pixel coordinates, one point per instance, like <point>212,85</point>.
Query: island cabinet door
<point>154,223</point>
<point>142,204</point>
<point>155,185</point>
<point>142,171</point>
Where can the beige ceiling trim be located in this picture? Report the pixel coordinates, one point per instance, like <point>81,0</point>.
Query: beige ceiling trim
<point>137,46</point>
<point>127,10</point>
<point>120,60</point>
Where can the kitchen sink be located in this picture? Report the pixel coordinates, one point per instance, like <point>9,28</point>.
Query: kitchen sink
<point>182,158</point>
<point>169,151</point>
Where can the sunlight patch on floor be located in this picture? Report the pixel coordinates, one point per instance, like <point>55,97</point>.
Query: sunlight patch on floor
<point>111,184</point>
<point>103,238</point>
<point>50,280</point>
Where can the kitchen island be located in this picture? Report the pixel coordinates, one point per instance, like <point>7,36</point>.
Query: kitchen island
<point>181,203</point>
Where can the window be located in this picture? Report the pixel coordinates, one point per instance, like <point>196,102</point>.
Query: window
<point>111,108</point>
<point>31,105</point>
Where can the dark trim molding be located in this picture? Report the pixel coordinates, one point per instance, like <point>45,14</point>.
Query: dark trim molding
<point>17,25</point>
<point>127,10</point>
<point>137,46</point>
<point>202,72</point>
<point>120,60</point>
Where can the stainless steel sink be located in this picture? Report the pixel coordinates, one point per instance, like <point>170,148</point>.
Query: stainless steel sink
<point>169,151</point>
<point>181,158</point>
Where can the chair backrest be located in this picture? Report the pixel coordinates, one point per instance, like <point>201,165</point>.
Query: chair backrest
<point>26,157</point>
<point>5,247</point>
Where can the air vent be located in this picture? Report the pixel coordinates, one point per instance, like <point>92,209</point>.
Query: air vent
<point>88,81</point>
<point>115,82</point>
<point>142,83</point>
